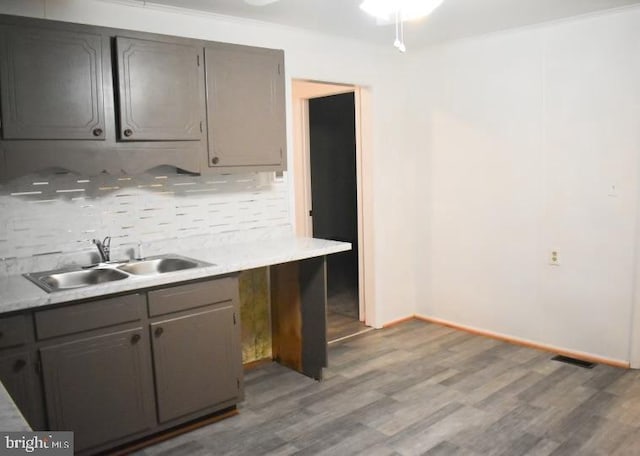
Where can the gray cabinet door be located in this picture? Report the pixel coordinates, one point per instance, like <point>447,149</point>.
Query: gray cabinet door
<point>196,361</point>
<point>51,84</point>
<point>99,387</point>
<point>245,106</point>
<point>160,90</point>
<point>18,375</point>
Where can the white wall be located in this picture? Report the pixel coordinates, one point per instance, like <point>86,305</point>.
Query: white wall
<point>488,153</point>
<point>521,137</point>
<point>307,56</point>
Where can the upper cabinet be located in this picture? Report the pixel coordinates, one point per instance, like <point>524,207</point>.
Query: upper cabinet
<point>93,100</point>
<point>161,90</point>
<point>51,84</point>
<point>245,107</point>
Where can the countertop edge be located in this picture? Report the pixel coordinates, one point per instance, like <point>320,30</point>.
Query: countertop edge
<point>19,294</point>
<point>10,417</point>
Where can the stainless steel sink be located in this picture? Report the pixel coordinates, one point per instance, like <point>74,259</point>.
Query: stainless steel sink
<point>65,279</point>
<point>160,265</point>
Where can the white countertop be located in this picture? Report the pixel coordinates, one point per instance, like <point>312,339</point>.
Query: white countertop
<point>18,293</point>
<point>11,420</point>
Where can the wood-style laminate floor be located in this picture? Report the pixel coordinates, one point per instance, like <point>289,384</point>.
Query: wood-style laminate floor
<point>344,303</point>
<point>342,314</point>
<point>419,388</point>
<point>339,326</point>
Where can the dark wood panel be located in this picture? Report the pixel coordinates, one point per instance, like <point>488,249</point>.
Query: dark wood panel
<point>286,319</point>
<point>313,290</point>
<point>299,316</point>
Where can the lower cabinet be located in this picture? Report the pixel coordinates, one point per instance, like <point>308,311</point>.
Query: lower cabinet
<point>99,387</point>
<point>195,361</point>
<point>19,368</point>
<point>119,369</point>
<point>19,377</point>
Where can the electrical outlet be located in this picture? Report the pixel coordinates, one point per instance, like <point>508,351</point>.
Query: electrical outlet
<point>554,258</point>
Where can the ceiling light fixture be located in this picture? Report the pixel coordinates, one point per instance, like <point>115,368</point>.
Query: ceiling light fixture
<point>399,11</point>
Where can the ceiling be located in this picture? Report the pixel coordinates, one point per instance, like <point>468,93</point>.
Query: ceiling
<point>453,20</point>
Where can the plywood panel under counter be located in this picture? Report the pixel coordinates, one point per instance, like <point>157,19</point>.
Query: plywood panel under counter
<point>255,315</point>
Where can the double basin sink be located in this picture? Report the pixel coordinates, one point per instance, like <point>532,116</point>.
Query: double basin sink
<point>65,279</point>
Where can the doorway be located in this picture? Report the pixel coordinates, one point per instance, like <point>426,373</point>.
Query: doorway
<point>332,157</point>
<point>329,194</point>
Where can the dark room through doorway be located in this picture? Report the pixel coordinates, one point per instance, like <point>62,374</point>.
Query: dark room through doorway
<point>334,202</point>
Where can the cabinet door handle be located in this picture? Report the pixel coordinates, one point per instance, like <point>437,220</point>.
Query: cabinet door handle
<point>19,365</point>
<point>128,132</point>
<point>215,160</point>
<point>135,338</point>
<point>158,332</point>
<point>97,132</point>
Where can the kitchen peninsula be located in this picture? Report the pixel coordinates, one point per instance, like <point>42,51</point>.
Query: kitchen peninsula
<point>88,316</point>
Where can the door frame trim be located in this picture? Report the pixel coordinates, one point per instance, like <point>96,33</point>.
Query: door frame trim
<point>302,92</point>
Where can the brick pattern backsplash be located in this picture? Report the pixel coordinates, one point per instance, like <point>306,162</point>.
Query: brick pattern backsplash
<point>63,212</point>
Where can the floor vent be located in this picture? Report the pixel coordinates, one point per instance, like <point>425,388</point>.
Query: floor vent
<point>574,362</point>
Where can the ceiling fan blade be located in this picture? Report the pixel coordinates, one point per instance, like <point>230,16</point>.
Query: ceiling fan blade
<point>259,2</point>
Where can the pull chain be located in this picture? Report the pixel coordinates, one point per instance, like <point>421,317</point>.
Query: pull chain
<point>399,42</point>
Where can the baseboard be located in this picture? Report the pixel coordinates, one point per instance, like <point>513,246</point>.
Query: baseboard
<point>527,343</point>
<point>173,432</point>
<point>398,321</point>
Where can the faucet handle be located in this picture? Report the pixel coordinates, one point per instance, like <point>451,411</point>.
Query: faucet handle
<point>106,247</point>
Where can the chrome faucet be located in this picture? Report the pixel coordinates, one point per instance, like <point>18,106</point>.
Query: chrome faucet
<point>104,248</point>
